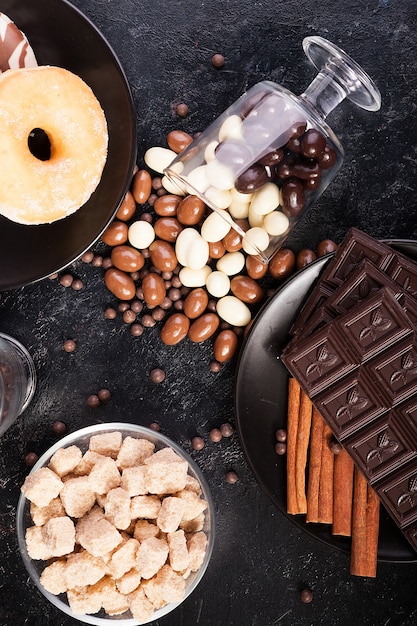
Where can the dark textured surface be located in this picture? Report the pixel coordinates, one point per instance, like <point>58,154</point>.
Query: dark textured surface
<point>261,559</point>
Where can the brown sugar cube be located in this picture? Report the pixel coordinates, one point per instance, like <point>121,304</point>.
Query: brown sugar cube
<point>94,515</point>
<point>59,535</point>
<point>35,544</point>
<point>167,472</point>
<point>193,525</point>
<point>129,581</point>
<point>145,506</point>
<point>192,484</point>
<point>41,514</point>
<point>77,496</point>
<point>112,601</point>
<point>83,569</point>
<point>130,529</point>
<point>96,534</point>
<point>144,529</point>
<point>82,602</point>
<point>42,486</point>
<point>193,504</point>
<point>196,544</point>
<point>151,555</point>
<point>65,460</point>
<point>101,499</point>
<point>133,452</point>
<point>178,552</point>
<point>141,608</point>
<point>104,476</point>
<point>107,444</point>
<point>68,477</point>
<point>53,578</point>
<point>134,480</point>
<point>117,508</point>
<point>87,462</point>
<point>170,514</point>
<point>123,559</point>
<point>166,586</point>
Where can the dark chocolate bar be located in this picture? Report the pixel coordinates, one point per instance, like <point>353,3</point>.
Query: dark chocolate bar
<point>356,357</point>
<point>355,248</point>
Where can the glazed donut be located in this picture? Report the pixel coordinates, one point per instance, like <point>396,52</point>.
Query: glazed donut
<point>39,190</point>
<point>15,51</point>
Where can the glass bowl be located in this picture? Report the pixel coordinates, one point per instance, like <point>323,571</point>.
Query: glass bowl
<point>81,439</point>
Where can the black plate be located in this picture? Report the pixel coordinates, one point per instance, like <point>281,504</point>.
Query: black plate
<point>261,404</point>
<point>61,35</point>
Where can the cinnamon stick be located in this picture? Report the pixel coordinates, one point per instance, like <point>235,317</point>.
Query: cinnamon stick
<point>365,528</point>
<point>314,467</point>
<point>342,494</point>
<point>373,512</point>
<point>326,479</point>
<point>303,439</point>
<point>294,397</point>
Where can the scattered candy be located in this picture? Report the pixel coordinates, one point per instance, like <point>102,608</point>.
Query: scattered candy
<point>66,280</point>
<point>69,345</point>
<point>58,428</point>
<point>104,395</point>
<point>182,110</point>
<point>226,429</point>
<point>215,435</point>
<point>231,477</point>
<point>77,284</point>
<point>197,443</point>
<point>182,266</point>
<point>217,60</point>
<point>93,401</point>
<point>281,435</point>
<point>157,375</point>
<point>306,596</point>
<point>31,458</point>
<point>280,448</point>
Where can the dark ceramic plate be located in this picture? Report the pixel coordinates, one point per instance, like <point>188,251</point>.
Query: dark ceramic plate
<point>61,35</point>
<point>261,404</point>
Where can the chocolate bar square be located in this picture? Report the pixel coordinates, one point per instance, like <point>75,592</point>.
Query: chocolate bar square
<point>399,494</point>
<point>350,405</point>
<point>319,360</point>
<point>395,371</point>
<point>382,448</point>
<point>356,247</point>
<point>372,326</point>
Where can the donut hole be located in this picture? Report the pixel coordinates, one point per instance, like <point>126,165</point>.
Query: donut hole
<point>39,144</point>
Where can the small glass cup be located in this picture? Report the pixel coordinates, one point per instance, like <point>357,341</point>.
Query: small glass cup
<point>17,380</point>
<point>264,162</point>
<point>81,438</point>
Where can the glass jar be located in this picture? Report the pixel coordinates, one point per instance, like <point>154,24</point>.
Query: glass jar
<point>17,380</point>
<point>264,162</point>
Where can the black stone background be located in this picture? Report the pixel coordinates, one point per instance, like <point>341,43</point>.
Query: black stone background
<point>260,559</point>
